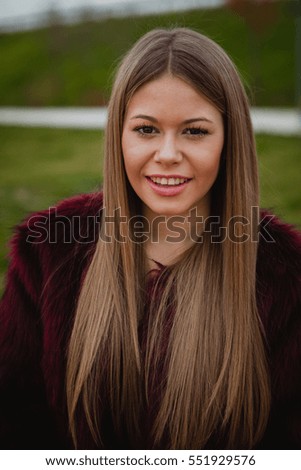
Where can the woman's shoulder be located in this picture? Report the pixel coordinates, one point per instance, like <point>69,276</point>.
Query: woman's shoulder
<point>279,248</point>
<point>67,222</point>
<point>57,240</point>
<point>279,273</point>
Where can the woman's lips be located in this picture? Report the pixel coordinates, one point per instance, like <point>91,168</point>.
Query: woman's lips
<point>167,190</point>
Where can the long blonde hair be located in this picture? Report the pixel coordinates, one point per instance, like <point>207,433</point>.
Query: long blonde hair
<point>215,383</point>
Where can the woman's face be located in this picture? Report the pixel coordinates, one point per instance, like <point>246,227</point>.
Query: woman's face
<point>172,142</point>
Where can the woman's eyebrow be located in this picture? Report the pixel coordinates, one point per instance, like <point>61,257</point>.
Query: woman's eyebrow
<point>144,116</point>
<point>187,121</point>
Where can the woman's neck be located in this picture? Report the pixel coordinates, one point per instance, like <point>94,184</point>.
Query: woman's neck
<point>170,236</point>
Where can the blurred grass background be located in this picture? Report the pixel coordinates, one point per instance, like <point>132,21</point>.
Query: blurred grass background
<point>72,65</point>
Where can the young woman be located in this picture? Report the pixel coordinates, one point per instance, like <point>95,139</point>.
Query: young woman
<point>164,311</point>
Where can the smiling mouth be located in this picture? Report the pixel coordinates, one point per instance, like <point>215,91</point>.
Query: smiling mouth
<point>167,181</point>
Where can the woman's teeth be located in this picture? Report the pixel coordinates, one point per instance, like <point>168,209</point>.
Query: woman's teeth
<point>168,181</point>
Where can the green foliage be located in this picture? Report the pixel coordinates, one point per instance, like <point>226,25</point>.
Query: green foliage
<point>39,167</point>
<point>72,65</point>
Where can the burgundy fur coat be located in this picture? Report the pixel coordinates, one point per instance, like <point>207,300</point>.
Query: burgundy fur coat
<point>36,314</point>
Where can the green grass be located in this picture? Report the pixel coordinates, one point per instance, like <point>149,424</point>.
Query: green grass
<point>72,65</point>
<point>39,167</point>
<point>280,168</point>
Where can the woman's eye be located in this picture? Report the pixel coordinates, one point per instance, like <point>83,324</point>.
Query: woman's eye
<point>145,130</point>
<point>196,131</point>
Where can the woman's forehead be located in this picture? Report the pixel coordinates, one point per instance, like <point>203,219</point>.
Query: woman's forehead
<point>169,95</point>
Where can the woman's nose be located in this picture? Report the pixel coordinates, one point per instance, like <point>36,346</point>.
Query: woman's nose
<point>168,151</point>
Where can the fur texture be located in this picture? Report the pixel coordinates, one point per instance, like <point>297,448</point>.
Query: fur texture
<point>49,254</point>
